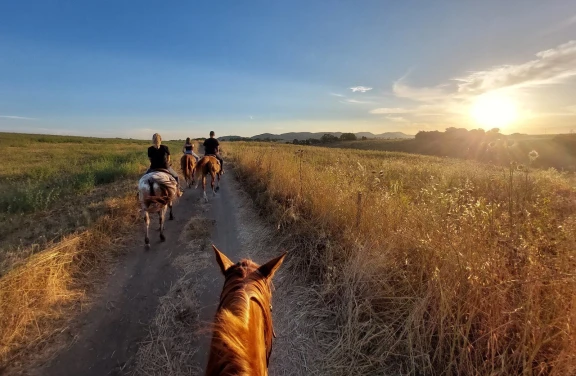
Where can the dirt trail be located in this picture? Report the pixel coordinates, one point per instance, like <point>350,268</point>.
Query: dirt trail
<point>159,301</point>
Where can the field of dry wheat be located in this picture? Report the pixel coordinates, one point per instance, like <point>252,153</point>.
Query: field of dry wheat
<point>429,265</point>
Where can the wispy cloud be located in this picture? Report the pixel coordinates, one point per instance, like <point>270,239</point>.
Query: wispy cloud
<point>337,95</point>
<point>449,103</point>
<point>388,110</point>
<point>397,119</point>
<point>550,67</point>
<point>354,101</point>
<point>558,26</point>
<point>16,117</point>
<point>360,89</point>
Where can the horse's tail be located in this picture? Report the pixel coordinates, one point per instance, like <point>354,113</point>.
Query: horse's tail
<point>190,165</point>
<point>162,200</point>
<point>200,166</point>
<point>153,198</point>
<point>183,164</point>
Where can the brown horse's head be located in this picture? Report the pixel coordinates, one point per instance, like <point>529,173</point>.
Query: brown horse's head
<point>242,337</point>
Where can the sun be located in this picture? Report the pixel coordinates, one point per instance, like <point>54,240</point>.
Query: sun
<point>494,110</point>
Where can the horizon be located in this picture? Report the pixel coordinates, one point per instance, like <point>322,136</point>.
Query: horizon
<point>131,69</point>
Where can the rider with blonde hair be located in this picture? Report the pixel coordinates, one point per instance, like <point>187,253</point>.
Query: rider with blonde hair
<point>159,156</point>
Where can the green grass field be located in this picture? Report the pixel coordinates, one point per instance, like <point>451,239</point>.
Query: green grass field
<point>51,186</point>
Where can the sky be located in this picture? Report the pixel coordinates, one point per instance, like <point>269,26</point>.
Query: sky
<point>122,68</point>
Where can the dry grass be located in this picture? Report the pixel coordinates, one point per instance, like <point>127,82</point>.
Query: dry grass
<point>429,265</point>
<point>36,298</point>
<point>67,203</point>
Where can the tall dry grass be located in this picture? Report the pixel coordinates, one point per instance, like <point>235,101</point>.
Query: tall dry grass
<point>38,298</point>
<point>430,265</point>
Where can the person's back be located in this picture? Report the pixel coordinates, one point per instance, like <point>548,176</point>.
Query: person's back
<point>158,157</point>
<point>211,146</point>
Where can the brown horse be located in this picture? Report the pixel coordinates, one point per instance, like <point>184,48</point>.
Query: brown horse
<point>243,331</point>
<point>157,191</point>
<point>208,165</point>
<point>188,164</point>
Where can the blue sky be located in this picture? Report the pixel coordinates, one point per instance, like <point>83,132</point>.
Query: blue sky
<point>182,68</point>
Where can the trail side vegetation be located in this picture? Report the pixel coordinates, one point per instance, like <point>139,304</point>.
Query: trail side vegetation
<point>428,265</point>
<point>67,206</point>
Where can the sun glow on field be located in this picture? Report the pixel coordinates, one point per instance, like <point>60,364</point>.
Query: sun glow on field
<point>494,110</point>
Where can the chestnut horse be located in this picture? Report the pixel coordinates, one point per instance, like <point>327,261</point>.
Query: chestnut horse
<point>208,164</point>
<point>187,164</point>
<point>243,331</point>
<point>157,191</point>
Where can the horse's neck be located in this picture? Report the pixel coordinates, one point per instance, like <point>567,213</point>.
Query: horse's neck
<point>239,346</point>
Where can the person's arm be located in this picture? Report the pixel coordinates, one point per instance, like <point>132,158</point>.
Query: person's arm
<point>167,154</point>
<point>217,146</point>
<point>184,149</point>
<point>150,155</point>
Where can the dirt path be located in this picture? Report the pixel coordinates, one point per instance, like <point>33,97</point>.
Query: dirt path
<point>151,316</point>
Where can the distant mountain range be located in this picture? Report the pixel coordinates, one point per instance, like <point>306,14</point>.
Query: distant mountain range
<point>306,135</point>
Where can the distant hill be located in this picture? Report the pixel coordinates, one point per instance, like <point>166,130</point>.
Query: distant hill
<point>306,135</point>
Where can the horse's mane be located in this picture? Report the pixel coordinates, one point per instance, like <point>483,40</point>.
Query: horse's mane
<point>244,285</point>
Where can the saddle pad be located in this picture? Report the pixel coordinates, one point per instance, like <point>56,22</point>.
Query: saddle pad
<point>159,177</point>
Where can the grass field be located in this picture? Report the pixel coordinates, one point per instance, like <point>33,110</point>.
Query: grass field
<point>66,204</point>
<point>429,265</point>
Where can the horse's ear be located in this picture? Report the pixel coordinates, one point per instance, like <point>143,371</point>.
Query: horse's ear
<point>268,269</point>
<point>223,261</point>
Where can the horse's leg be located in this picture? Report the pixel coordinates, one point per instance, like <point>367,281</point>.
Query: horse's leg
<point>162,214</point>
<point>204,187</point>
<point>171,214</point>
<point>146,226</point>
<point>218,182</point>
<point>212,183</point>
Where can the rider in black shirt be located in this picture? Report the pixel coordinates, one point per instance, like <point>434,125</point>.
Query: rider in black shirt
<point>212,147</point>
<point>159,156</point>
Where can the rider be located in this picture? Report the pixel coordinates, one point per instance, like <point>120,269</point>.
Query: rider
<point>159,156</point>
<point>212,147</point>
<point>188,148</point>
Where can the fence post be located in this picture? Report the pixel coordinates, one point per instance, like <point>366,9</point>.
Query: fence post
<point>359,209</point>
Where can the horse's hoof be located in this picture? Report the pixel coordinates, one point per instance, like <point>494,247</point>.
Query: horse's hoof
<point>162,238</point>
<point>217,189</point>
<point>171,218</point>
<point>147,241</point>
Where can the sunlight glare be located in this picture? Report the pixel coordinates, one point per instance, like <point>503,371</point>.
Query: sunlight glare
<point>494,110</point>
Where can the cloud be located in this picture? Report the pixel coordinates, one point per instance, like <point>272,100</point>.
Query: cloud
<point>360,89</point>
<point>551,66</point>
<point>420,94</point>
<point>16,117</point>
<point>354,101</point>
<point>397,119</point>
<point>337,95</point>
<point>388,110</point>
<point>558,26</point>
